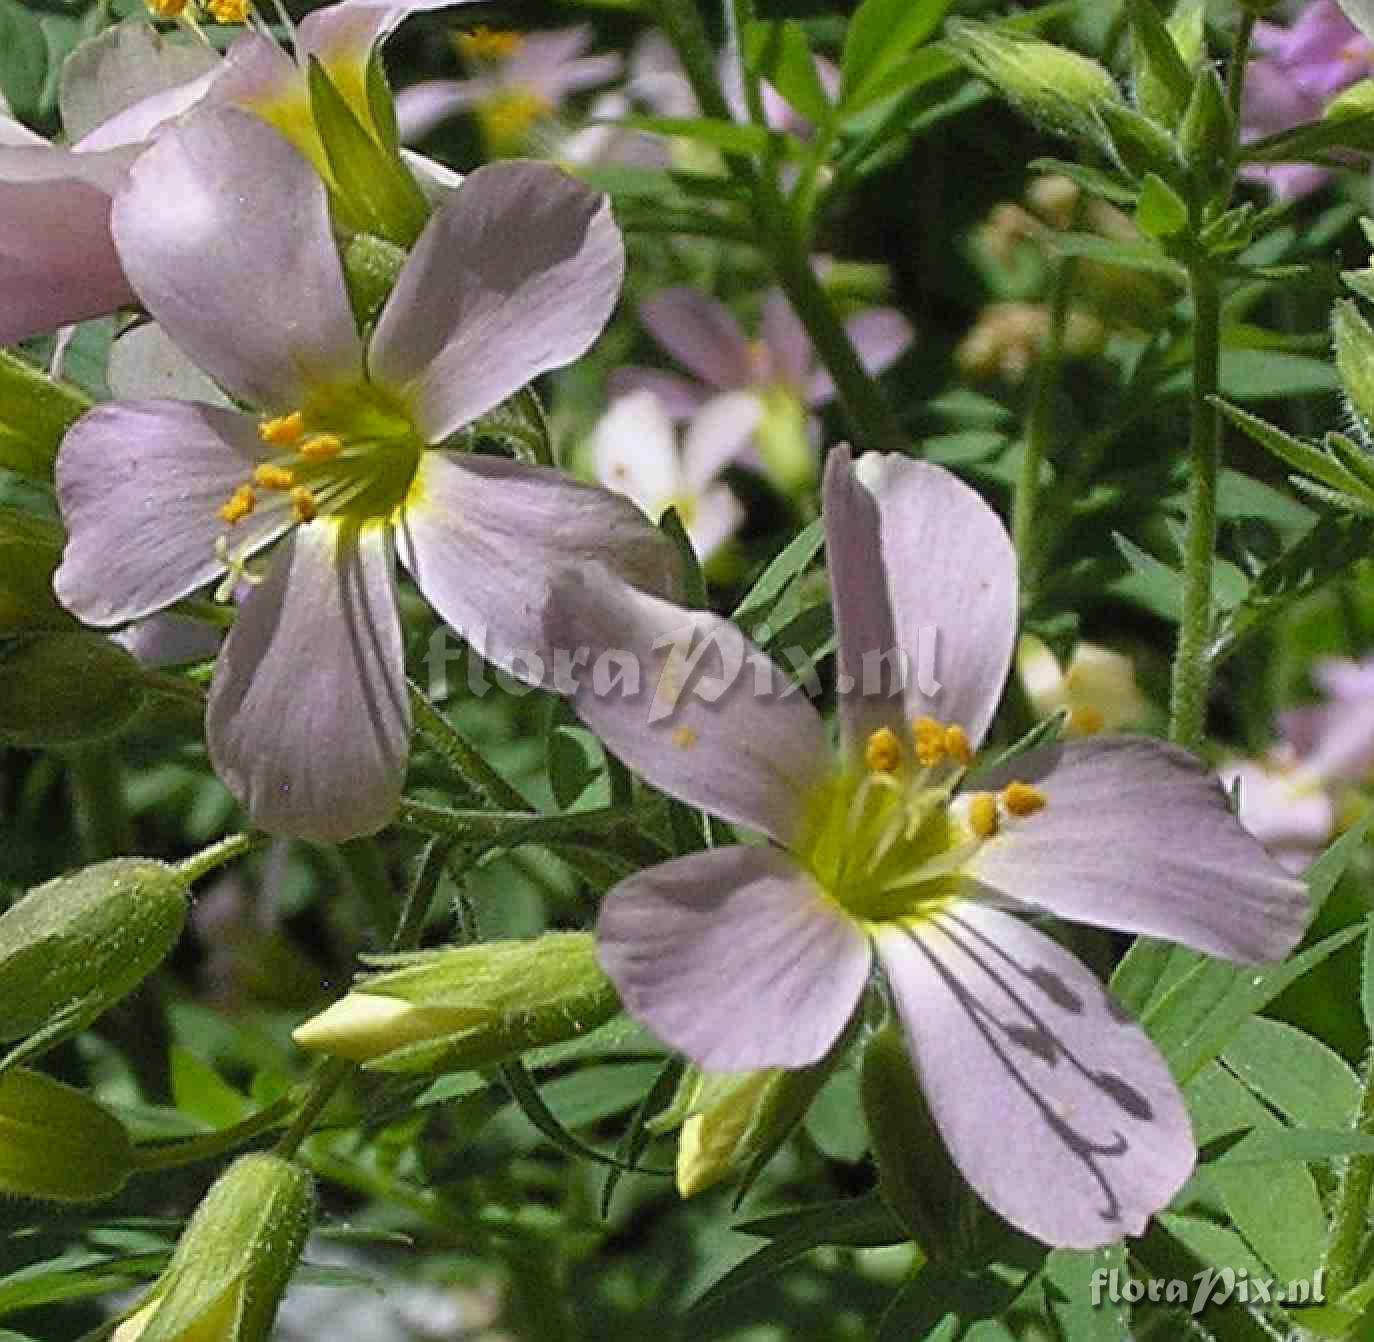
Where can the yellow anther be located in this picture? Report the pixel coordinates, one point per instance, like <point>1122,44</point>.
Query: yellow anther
<point>322,447</point>
<point>241,502</point>
<point>883,751</point>
<point>1022,799</point>
<point>982,814</point>
<point>488,44</point>
<point>684,738</point>
<point>1085,720</point>
<point>273,477</point>
<point>229,11</point>
<point>957,746</point>
<point>166,9</point>
<point>303,505</point>
<point>929,739</point>
<point>283,430</point>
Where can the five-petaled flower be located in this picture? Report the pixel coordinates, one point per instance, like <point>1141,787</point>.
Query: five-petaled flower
<point>1059,1112</point>
<point>224,232</point>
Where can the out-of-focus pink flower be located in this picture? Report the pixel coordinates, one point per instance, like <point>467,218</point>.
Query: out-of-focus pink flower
<point>780,369</point>
<point>1291,799</point>
<point>520,79</point>
<point>1298,70</point>
<point>635,453</point>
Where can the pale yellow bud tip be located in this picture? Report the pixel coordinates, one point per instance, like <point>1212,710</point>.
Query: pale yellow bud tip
<point>883,751</point>
<point>360,1026</point>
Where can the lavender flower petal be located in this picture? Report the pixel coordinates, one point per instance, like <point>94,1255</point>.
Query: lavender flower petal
<point>308,723</point>
<point>718,436</point>
<point>483,536</point>
<point>516,275</point>
<point>700,333</point>
<point>880,337</point>
<point>140,484</point>
<point>701,715</point>
<point>1058,1111</point>
<point>224,232</point>
<point>870,682</point>
<point>951,573</point>
<point>735,958</point>
<point>1137,835</point>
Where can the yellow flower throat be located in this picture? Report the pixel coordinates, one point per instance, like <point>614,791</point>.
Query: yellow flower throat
<point>352,454</point>
<point>889,842</point>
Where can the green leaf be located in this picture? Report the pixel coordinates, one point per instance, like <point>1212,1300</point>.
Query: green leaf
<point>1144,256</point>
<point>1325,873</point>
<point>62,689</point>
<point>1161,211</point>
<point>201,1092</point>
<point>1313,141</point>
<point>728,136</point>
<point>1279,1211</point>
<point>1307,1082</point>
<point>772,583</point>
<point>1367,978</point>
<point>944,1303</point>
<point>863,1221</point>
<point>1093,180</point>
<point>1302,456</point>
<point>1197,1016</point>
<point>780,53</point>
<point>1069,1276</point>
<point>880,34</point>
<point>35,411</point>
<point>23,61</point>
<point>1218,1245</point>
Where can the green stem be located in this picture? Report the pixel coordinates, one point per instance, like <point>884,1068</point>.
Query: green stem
<point>217,854</point>
<point>1240,54</point>
<point>444,737</point>
<point>415,912</point>
<point>329,1076</point>
<point>208,1146</point>
<point>1025,505</point>
<point>1352,1202</point>
<point>866,410</point>
<point>1192,671</point>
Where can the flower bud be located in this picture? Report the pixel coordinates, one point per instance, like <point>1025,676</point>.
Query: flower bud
<point>916,1177</point>
<point>62,689</point>
<point>1058,88</point>
<point>1355,362</point>
<point>233,1260</point>
<point>58,1143</point>
<point>72,947</point>
<point>467,1006</point>
<point>733,1123</point>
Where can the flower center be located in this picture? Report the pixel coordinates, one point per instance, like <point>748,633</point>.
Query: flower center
<point>350,453</point>
<point>890,841</point>
<point>508,115</point>
<point>488,45</point>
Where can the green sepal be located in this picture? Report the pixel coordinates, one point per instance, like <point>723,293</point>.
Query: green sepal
<point>58,1144</point>
<point>1138,144</point>
<point>467,1006</point>
<point>73,947</point>
<point>64,689</point>
<point>371,268</point>
<point>373,190</point>
<point>381,103</point>
<point>35,411</point>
